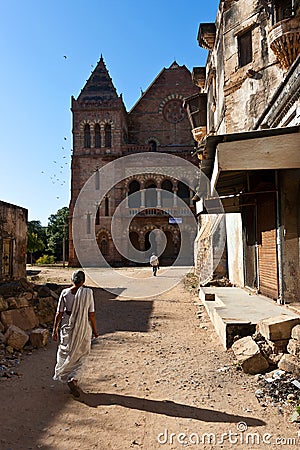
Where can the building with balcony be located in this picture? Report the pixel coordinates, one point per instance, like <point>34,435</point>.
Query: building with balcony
<point>104,131</point>
<point>249,142</point>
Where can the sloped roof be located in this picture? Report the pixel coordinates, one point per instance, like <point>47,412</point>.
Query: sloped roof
<point>99,87</point>
<point>173,66</point>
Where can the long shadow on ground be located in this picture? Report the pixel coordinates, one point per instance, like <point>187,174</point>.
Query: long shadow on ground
<point>121,315</point>
<point>165,407</point>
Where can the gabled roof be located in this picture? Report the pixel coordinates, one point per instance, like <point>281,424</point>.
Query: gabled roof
<point>99,87</point>
<point>173,66</point>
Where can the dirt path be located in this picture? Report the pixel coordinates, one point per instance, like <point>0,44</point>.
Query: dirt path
<point>156,378</point>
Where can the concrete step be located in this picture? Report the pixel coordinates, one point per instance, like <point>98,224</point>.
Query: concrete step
<point>234,311</point>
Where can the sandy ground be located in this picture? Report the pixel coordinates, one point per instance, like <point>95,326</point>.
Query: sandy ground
<point>156,378</point>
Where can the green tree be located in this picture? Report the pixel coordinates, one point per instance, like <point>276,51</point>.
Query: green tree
<point>37,239</point>
<point>57,233</point>
<point>34,244</point>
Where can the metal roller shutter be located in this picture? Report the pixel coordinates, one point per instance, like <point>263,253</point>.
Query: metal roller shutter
<point>267,252</point>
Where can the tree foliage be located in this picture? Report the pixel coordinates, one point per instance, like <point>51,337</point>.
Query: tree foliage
<point>57,233</point>
<point>36,239</point>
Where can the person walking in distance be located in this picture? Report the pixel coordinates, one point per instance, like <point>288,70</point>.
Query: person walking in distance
<point>76,314</point>
<point>154,263</point>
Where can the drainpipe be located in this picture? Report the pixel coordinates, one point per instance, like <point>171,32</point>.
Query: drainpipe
<point>256,247</point>
<point>279,234</point>
<point>256,268</point>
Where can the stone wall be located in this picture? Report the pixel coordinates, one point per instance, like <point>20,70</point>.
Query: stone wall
<point>13,241</point>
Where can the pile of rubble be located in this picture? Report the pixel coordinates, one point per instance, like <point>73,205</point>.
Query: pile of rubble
<point>275,345</point>
<point>26,315</point>
<point>278,388</point>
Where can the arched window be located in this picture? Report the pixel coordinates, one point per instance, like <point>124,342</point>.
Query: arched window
<point>103,246</point>
<point>151,195</point>
<point>183,192</point>
<point>167,199</point>
<point>87,136</point>
<point>134,201</point>
<point>153,145</point>
<point>98,216</point>
<point>106,206</point>
<point>107,132</point>
<point>97,136</point>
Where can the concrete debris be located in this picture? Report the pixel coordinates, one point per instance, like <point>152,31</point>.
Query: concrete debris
<point>293,347</point>
<point>277,328</point>
<point>218,282</point>
<point>3,304</point>
<point>24,318</point>
<point>290,363</point>
<point>296,333</point>
<point>15,337</point>
<point>39,337</point>
<point>249,356</point>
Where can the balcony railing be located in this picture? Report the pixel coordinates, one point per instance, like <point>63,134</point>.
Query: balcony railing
<point>174,211</point>
<point>284,39</point>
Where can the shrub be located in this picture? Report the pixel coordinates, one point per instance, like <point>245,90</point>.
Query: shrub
<point>45,259</point>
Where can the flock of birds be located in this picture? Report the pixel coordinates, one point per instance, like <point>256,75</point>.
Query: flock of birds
<point>56,177</point>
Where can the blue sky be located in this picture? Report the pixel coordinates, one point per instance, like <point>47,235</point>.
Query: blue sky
<point>137,39</point>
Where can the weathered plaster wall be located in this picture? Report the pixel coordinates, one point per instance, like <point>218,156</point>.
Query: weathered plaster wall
<point>13,241</point>
<point>290,194</point>
<point>235,248</point>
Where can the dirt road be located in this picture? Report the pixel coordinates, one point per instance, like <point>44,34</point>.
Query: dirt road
<point>157,378</point>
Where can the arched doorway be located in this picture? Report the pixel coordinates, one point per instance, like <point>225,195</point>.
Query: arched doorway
<point>134,239</point>
<point>167,258</point>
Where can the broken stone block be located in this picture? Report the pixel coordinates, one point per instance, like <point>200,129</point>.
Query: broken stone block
<point>46,310</point>
<point>17,302</point>
<point>294,347</point>
<point>249,356</point>
<point>24,318</point>
<point>275,347</point>
<point>15,337</point>
<point>27,295</point>
<point>2,328</point>
<point>277,328</point>
<point>39,337</point>
<point>274,358</point>
<point>290,363</point>
<point>43,291</point>
<point>3,304</point>
<point>296,332</point>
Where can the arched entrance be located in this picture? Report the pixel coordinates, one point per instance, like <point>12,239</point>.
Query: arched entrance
<point>167,258</point>
<point>134,239</point>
